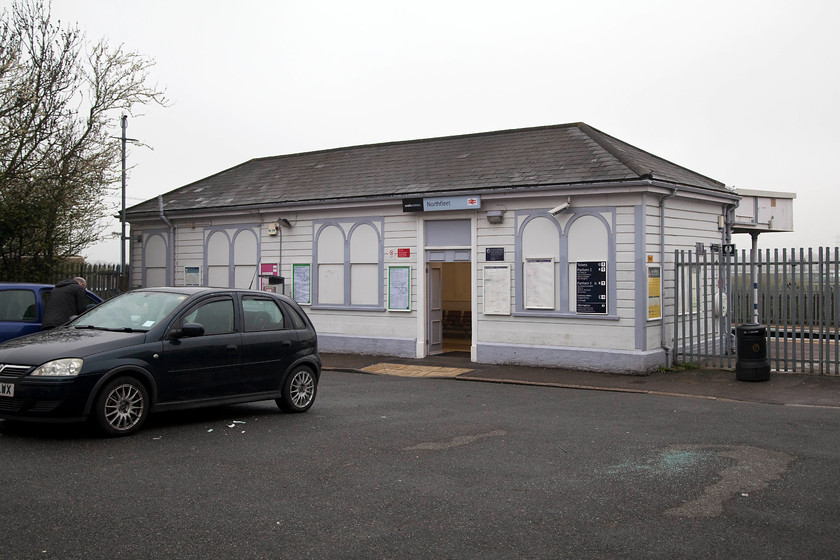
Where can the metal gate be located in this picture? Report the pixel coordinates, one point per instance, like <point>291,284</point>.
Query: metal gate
<point>795,295</point>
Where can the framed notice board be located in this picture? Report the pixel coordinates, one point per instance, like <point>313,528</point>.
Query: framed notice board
<point>539,283</point>
<point>192,276</point>
<point>654,278</point>
<point>301,283</point>
<point>497,289</point>
<point>399,288</point>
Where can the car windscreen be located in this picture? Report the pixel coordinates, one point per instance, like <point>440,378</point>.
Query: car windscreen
<point>132,311</point>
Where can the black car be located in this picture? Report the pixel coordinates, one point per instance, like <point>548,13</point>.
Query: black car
<point>162,349</point>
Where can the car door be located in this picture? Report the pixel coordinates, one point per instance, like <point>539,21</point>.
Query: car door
<point>18,313</point>
<point>269,343</point>
<point>206,366</point>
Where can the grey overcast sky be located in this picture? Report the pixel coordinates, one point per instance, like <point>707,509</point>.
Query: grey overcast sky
<point>745,92</point>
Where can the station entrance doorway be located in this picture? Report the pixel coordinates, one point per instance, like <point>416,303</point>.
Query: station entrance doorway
<point>449,307</point>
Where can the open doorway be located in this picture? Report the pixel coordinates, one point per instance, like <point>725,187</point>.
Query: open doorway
<point>455,306</point>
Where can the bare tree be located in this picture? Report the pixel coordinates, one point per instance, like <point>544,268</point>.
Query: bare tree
<point>60,102</point>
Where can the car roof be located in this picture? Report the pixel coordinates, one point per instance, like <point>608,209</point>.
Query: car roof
<point>193,290</point>
<point>32,285</point>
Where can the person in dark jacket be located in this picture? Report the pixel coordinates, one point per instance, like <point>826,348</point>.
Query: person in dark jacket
<point>68,298</point>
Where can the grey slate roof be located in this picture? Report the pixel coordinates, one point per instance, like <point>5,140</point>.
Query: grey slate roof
<point>570,154</point>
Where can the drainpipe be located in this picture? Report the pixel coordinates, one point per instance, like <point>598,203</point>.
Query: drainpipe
<point>171,239</point>
<point>664,340</point>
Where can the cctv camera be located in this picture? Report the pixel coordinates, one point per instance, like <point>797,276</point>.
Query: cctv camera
<point>557,209</point>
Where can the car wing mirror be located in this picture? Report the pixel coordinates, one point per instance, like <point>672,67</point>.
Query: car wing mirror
<point>188,330</point>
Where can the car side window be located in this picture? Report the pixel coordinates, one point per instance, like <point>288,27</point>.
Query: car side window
<point>91,302</point>
<point>262,314</point>
<point>215,316</point>
<point>297,320</point>
<point>17,305</point>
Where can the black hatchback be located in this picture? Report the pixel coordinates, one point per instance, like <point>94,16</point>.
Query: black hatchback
<point>162,349</point>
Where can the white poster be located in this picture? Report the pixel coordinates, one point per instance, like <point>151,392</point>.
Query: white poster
<point>399,288</point>
<point>539,283</point>
<point>497,289</point>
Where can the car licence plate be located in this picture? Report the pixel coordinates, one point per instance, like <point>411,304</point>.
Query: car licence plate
<point>7,390</point>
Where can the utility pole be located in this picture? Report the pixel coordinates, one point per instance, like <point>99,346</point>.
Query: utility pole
<point>124,124</point>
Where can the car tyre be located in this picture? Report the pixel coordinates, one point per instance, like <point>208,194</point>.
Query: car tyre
<point>298,392</point>
<point>121,407</point>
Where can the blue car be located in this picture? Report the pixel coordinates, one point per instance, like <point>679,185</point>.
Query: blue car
<point>22,307</point>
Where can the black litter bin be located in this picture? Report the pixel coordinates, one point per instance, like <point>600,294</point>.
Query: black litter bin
<point>753,363</point>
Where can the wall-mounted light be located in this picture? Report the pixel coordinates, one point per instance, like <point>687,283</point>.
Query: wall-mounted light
<point>284,222</point>
<point>496,216</point>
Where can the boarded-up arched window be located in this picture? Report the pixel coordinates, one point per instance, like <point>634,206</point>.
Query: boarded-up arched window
<point>154,258</point>
<point>364,266</point>
<point>348,267</point>
<point>245,260</point>
<point>589,247</point>
<point>218,260</point>
<point>540,263</point>
<point>331,266</point>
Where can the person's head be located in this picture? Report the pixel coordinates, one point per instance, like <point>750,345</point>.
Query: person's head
<point>80,281</point>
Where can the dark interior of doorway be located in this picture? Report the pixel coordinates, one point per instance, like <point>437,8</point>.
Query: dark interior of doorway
<point>457,306</point>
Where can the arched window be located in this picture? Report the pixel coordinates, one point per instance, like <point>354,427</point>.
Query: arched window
<point>348,264</point>
<point>566,265</point>
<point>245,259</point>
<point>154,260</point>
<point>218,259</point>
<point>232,256</point>
<point>331,266</point>
<point>540,263</point>
<point>364,266</point>
<point>589,246</point>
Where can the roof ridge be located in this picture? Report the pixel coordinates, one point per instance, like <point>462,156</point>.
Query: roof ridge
<point>601,138</point>
<point>420,140</point>
<point>598,137</point>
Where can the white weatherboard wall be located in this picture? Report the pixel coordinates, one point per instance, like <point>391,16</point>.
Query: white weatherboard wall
<point>622,229</point>
<point>376,330</point>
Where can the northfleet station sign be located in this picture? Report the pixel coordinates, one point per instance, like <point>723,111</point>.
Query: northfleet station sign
<point>441,203</point>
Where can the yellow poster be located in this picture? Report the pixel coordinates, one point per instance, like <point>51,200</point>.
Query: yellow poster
<point>654,292</point>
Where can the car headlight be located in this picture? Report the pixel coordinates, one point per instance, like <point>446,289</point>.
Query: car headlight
<point>66,367</point>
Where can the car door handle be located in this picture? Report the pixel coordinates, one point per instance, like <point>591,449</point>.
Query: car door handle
<point>285,343</point>
<point>232,348</point>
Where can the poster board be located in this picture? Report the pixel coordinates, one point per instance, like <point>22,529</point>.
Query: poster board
<point>192,276</point>
<point>539,283</point>
<point>591,287</point>
<point>399,288</point>
<point>497,289</point>
<point>654,278</point>
<point>301,283</point>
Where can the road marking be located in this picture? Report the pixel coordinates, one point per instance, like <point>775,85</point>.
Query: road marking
<point>404,370</point>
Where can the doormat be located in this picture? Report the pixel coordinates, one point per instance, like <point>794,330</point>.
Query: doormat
<point>403,370</point>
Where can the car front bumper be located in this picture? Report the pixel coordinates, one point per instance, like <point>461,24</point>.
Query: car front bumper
<point>47,400</point>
